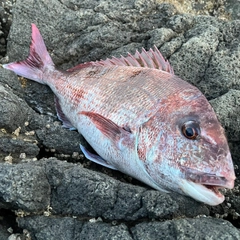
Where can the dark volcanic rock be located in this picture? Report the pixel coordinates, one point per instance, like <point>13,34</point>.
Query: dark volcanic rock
<point>74,229</point>
<point>199,228</point>
<point>17,147</point>
<point>23,187</point>
<point>5,23</point>
<point>202,50</point>
<point>228,116</point>
<point>13,110</point>
<point>4,234</point>
<point>77,191</point>
<point>49,137</point>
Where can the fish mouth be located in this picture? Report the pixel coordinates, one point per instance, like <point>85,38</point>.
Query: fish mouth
<point>205,187</point>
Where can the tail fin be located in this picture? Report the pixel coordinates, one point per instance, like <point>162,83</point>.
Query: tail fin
<point>37,61</point>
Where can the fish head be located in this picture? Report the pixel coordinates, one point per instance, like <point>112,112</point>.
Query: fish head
<point>184,148</point>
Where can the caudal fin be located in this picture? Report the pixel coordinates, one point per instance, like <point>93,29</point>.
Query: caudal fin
<point>37,61</point>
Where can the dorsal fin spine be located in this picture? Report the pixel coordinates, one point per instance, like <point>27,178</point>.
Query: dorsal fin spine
<point>124,60</point>
<point>141,58</point>
<point>157,60</point>
<point>134,60</point>
<point>148,59</point>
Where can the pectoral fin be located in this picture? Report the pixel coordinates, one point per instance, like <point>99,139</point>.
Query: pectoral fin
<point>110,129</point>
<point>95,158</point>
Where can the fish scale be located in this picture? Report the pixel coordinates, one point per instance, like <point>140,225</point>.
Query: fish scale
<point>109,99</point>
<point>140,119</point>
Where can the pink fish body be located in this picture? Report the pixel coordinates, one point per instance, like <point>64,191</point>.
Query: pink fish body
<point>140,119</point>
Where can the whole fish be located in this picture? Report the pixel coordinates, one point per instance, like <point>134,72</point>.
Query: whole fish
<point>140,118</point>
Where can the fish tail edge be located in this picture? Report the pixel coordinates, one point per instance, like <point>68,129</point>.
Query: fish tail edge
<point>37,61</point>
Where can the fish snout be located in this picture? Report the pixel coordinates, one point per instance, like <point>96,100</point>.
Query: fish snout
<point>227,171</point>
<point>217,162</point>
<point>224,180</point>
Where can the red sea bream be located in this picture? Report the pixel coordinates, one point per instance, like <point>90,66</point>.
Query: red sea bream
<point>140,118</point>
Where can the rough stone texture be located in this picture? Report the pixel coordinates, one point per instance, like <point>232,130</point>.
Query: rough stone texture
<point>77,191</point>
<point>4,234</point>
<point>186,229</point>
<point>96,229</point>
<point>17,148</point>
<point>228,115</point>
<point>49,228</point>
<point>224,9</point>
<point>49,137</point>
<point>13,110</point>
<point>5,23</point>
<point>202,50</point>
<point>23,187</point>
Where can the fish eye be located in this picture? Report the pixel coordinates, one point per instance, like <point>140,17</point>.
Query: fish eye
<point>191,130</point>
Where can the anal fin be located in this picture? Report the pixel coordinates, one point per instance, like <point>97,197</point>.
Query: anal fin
<point>95,158</point>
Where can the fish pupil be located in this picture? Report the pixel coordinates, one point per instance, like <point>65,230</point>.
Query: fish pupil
<point>191,130</point>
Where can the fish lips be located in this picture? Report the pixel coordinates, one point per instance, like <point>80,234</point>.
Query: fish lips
<point>209,179</point>
<point>204,187</point>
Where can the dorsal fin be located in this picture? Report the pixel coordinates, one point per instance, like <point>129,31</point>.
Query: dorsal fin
<point>150,59</point>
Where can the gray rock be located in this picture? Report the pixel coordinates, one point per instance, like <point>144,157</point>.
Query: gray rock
<point>227,115</point>
<point>50,134</point>
<point>230,118</point>
<point>191,59</point>
<point>23,187</point>
<point>233,8</point>
<point>199,228</point>
<point>86,34</point>
<point>14,111</point>
<point>77,191</point>
<point>5,23</point>
<point>10,81</point>
<point>90,190</point>
<point>4,234</point>
<point>223,72</point>
<point>74,229</point>
<point>17,147</point>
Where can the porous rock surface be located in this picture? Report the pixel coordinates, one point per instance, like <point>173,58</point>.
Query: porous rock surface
<point>76,199</point>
